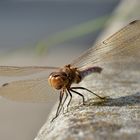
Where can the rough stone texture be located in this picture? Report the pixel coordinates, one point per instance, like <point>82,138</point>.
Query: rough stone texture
<point>116,117</point>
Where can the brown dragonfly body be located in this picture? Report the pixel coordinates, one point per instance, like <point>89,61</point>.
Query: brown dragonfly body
<point>116,52</point>
<point>65,77</point>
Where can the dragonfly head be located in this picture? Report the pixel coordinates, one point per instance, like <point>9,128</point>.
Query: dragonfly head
<point>58,80</point>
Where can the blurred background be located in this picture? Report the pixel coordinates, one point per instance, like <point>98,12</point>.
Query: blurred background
<point>44,32</point>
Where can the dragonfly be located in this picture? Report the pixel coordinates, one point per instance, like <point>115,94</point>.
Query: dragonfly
<point>123,45</point>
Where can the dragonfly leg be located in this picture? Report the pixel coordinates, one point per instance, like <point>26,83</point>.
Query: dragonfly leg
<point>83,88</point>
<point>62,106</point>
<point>69,100</point>
<point>59,105</point>
<point>79,94</point>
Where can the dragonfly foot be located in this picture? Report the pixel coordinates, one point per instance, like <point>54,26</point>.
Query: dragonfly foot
<point>54,118</point>
<point>104,98</point>
<point>84,103</point>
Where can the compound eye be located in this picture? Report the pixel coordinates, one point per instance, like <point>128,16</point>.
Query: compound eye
<point>56,81</point>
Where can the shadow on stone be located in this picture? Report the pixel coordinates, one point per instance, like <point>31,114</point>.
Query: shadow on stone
<point>121,101</point>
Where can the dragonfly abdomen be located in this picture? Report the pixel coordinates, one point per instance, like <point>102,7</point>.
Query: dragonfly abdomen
<point>90,70</point>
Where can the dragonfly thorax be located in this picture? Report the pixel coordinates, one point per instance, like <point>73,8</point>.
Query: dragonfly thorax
<point>64,77</point>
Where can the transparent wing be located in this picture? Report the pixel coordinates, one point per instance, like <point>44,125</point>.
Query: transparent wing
<point>22,71</point>
<point>119,57</point>
<point>36,90</point>
<point>123,45</point>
